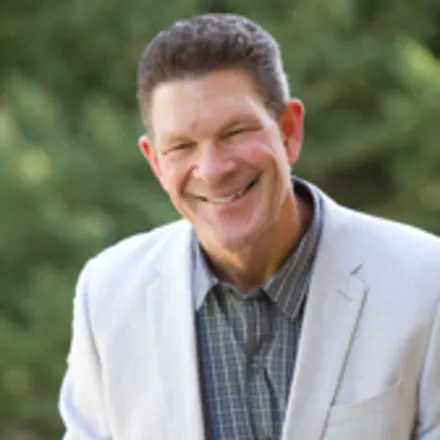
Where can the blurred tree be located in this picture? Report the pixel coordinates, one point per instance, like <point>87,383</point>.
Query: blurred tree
<point>67,196</point>
<point>79,48</point>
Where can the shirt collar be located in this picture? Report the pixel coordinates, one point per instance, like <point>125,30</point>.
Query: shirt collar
<point>203,279</point>
<point>287,287</point>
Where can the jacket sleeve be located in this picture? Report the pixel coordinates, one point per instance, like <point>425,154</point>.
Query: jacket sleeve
<point>81,402</point>
<point>429,391</point>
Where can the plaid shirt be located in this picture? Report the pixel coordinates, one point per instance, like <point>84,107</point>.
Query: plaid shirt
<point>248,343</point>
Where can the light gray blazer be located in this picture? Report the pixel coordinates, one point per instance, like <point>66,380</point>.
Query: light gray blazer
<point>368,366</point>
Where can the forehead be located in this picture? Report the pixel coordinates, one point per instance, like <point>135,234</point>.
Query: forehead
<point>195,105</point>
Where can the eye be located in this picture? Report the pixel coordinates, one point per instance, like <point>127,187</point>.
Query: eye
<point>234,132</point>
<point>182,146</point>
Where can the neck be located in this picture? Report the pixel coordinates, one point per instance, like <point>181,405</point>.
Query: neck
<point>253,266</point>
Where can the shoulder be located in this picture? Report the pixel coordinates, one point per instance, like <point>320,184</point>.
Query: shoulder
<point>118,266</point>
<point>395,257</point>
<point>392,238</point>
<point>384,238</point>
<point>142,246</point>
<point>398,259</point>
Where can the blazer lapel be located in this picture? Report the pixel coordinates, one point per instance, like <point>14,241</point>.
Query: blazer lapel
<point>174,327</point>
<point>333,309</point>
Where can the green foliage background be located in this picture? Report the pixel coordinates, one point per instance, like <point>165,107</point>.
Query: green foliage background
<point>72,180</point>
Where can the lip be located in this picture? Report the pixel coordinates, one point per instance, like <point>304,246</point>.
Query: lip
<point>232,195</point>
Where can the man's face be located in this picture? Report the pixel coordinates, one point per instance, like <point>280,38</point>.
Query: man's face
<point>223,160</point>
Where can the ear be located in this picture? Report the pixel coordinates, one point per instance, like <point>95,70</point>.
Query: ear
<point>150,153</point>
<point>291,124</point>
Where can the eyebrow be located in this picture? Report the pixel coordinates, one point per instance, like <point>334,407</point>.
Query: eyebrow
<point>239,120</point>
<point>230,125</point>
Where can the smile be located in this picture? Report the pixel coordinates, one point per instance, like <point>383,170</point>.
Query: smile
<point>231,197</point>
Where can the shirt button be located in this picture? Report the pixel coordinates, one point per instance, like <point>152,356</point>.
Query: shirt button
<point>257,367</point>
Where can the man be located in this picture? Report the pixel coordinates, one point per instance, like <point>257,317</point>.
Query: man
<point>269,311</point>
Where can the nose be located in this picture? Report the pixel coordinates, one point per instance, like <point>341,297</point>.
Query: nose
<point>213,163</point>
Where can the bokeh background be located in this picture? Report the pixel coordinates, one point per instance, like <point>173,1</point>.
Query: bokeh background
<point>72,180</point>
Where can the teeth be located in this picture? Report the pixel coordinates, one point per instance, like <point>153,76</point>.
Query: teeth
<point>227,199</point>
<point>230,198</point>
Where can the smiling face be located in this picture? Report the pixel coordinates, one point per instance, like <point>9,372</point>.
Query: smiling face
<point>222,158</point>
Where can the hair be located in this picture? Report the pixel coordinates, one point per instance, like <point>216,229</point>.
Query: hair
<point>211,42</point>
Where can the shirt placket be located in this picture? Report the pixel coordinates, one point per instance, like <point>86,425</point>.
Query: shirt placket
<point>255,322</point>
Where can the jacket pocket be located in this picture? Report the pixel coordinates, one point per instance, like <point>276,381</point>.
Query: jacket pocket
<point>375,418</point>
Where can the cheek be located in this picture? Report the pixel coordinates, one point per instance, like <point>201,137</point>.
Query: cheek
<point>174,177</point>
<point>260,153</point>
